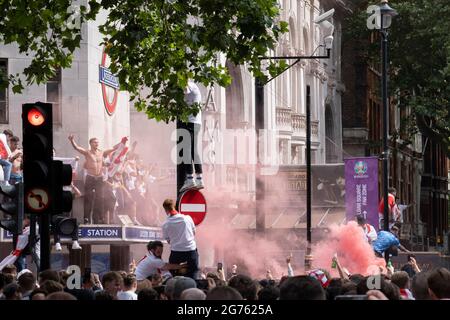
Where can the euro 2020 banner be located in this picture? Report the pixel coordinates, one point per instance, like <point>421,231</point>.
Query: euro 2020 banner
<point>361,189</point>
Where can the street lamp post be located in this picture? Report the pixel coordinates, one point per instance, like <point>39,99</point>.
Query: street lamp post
<point>386,14</point>
<point>327,29</point>
<point>259,183</point>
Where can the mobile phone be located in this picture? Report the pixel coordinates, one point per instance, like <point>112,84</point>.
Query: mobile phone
<point>202,284</point>
<point>219,266</point>
<point>352,297</point>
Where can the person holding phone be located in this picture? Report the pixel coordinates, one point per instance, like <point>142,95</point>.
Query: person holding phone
<point>411,266</point>
<point>221,271</point>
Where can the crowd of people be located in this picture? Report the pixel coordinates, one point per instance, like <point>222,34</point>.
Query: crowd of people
<point>117,182</point>
<point>313,285</point>
<point>395,209</point>
<point>128,191</point>
<point>152,278</point>
<point>10,158</point>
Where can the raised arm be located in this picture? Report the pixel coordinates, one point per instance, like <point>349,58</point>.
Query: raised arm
<point>17,155</point>
<point>76,146</point>
<point>402,248</point>
<point>342,274</point>
<point>414,265</point>
<point>108,152</point>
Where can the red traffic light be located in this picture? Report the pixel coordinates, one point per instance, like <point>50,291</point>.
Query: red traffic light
<point>35,117</point>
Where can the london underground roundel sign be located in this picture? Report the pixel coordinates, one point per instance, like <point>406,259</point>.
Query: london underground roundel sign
<point>110,85</point>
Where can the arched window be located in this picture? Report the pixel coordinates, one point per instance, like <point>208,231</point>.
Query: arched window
<point>306,41</point>
<point>292,34</point>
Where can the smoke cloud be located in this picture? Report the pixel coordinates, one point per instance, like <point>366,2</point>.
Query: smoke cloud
<point>354,253</point>
<point>218,238</point>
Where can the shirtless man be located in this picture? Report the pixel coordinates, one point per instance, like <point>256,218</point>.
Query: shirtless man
<point>93,186</point>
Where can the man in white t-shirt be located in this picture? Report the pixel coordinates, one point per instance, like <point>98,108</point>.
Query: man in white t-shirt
<point>370,232</point>
<point>152,263</point>
<point>192,96</point>
<point>129,288</point>
<point>179,231</point>
<point>399,209</point>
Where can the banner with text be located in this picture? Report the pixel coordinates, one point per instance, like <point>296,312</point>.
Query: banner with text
<point>361,189</point>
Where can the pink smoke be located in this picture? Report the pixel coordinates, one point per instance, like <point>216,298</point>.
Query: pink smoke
<point>251,251</point>
<point>226,197</point>
<point>353,251</point>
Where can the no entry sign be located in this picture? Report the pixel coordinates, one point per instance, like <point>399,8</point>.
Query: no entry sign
<point>193,203</point>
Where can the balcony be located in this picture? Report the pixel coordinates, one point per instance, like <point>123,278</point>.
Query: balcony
<point>298,122</point>
<point>284,119</point>
<point>295,123</point>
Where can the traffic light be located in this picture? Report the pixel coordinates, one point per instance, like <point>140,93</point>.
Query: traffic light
<point>65,226</point>
<point>37,157</point>
<point>62,177</point>
<point>12,205</point>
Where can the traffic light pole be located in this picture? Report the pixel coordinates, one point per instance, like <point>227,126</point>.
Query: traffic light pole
<point>41,196</point>
<point>44,230</point>
<point>32,241</point>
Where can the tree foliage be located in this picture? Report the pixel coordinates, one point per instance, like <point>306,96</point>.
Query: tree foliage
<point>419,54</point>
<point>155,46</point>
<point>41,27</point>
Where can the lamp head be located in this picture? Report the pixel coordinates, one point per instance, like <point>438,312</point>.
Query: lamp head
<point>328,42</point>
<point>386,14</point>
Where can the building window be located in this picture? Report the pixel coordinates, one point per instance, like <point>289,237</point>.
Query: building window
<point>4,93</point>
<point>283,151</point>
<point>53,92</point>
<point>296,155</point>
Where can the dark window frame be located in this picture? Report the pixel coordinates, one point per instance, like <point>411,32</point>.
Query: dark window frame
<point>57,112</point>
